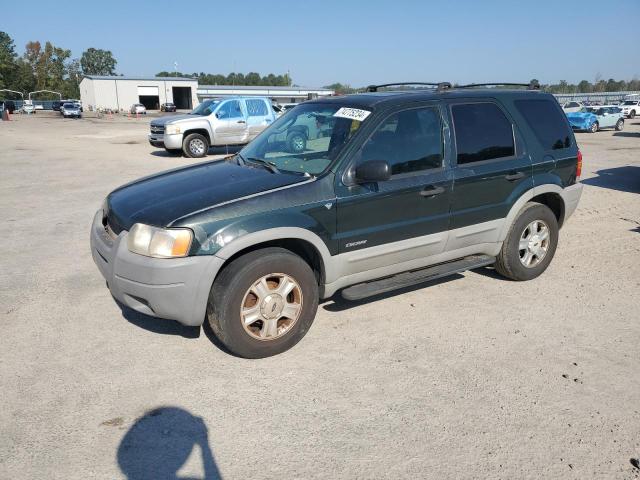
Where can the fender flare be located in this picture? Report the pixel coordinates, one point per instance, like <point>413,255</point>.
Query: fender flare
<point>524,198</point>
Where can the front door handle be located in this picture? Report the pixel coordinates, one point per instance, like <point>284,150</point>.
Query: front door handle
<point>514,176</point>
<point>241,121</point>
<point>431,191</point>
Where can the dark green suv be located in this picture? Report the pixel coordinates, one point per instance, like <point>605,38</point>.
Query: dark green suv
<point>391,189</point>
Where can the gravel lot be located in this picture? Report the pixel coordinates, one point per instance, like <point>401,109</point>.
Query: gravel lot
<point>469,377</point>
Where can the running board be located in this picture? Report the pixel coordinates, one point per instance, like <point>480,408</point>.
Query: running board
<point>414,277</point>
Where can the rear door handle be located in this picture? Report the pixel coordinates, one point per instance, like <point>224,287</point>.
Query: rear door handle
<point>514,176</point>
<point>431,191</point>
<point>241,121</point>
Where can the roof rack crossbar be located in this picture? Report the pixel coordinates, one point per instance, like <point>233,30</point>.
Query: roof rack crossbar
<point>530,85</point>
<point>439,86</point>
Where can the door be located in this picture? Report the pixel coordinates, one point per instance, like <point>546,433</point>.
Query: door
<point>406,217</point>
<point>491,170</point>
<point>230,124</point>
<point>259,116</point>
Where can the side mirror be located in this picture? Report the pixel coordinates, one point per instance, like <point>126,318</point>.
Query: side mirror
<point>373,171</point>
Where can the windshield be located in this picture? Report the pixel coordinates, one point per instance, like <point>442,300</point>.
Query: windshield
<point>630,102</point>
<point>69,105</point>
<point>205,108</point>
<point>307,138</point>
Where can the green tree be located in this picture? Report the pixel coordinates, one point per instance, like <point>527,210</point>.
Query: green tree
<point>8,58</point>
<point>95,61</point>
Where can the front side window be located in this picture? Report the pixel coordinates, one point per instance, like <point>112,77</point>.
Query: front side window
<point>482,132</point>
<point>256,108</point>
<point>547,122</point>
<point>229,109</point>
<point>307,139</point>
<point>409,141</point>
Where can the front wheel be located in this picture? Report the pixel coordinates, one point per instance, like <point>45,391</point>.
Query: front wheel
<point>530,244</point>
<point>195,145</point>
<point>296,142</point>
<point>594,127</point>
<point>619,125</point>
<point>263,303</point>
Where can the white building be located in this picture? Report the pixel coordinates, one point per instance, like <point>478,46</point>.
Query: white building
<point>122,92</point>
<point>282,95</point>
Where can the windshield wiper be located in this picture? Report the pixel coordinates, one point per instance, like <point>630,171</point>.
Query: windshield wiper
<point>272,167</point>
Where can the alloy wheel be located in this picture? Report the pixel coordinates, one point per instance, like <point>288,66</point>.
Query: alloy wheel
<point>534,243</point>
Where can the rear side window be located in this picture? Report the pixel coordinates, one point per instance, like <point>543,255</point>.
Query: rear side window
<point>257,108</point>
<point>482,132</point>
<point>547,123</point>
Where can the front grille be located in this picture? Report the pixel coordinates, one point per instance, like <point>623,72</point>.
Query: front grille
<point>157,129</point>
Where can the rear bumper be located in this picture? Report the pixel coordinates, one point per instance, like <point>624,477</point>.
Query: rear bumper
<point>571,196</point>
<point>176,288</point>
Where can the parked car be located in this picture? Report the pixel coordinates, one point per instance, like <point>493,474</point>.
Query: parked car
<point>138,108</point>
<point>167,107</point>
<point>631,108</point>
<point>390,198</point>
<point>55,106</point>
<point>71,110</point>
<point>572,106</point>
<point>232,121</point>
<point>9,105</point>
<point>593,119</point>
<point>39,106</point>
<point>28,108</point>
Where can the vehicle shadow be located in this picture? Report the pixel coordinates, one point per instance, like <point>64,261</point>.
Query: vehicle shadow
<point>161,441</point>
<point>624,179</point>
<point>157,325</point>
<point>337,303</point>
<point>223,150</point>
<point>626,134</point>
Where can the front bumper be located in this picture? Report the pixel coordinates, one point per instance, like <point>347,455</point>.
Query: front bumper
<point>176,288</point>
<point>571,196</point>
<point>166,141</point>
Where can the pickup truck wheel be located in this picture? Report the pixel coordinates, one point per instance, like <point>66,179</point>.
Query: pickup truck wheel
<point>296,142</point>
<point>619,125</point>
<point>195,145</point>
<point>594,127</point>
<point>530,243</point>
<point>263,303</point>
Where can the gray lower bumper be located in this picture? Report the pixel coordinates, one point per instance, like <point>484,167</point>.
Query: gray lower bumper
<point>571,196</point>
<point>166,141</point>
<point>176,288</point>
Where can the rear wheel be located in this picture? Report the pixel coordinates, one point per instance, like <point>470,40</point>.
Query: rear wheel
<point>195,145</point>
<point>632,114</point>
<point>530,243</point>
<point>594,127</point>
<point>619,124</point>
<point>296,142</point>
<point>263,303</point>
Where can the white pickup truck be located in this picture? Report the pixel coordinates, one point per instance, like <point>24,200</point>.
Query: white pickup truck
<point>230,121</point>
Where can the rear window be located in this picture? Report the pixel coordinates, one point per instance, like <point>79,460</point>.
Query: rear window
<point>482,132</point>
<point>547,123</point>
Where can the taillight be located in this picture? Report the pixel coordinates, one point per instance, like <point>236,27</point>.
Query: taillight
<point>579,166</point>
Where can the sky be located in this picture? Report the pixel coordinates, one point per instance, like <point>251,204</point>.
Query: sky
<point>352,42</point>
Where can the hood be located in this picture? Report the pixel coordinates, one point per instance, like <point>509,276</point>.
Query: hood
<point>174,118</point>
<point>580,116</point>
<point>161,199</point>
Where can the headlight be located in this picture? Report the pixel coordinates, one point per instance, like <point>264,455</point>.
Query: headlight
<point>172,129</point>
<point>159,242</point>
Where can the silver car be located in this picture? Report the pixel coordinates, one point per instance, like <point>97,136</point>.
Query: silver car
<point>229,121</point>
<point>71,110</point>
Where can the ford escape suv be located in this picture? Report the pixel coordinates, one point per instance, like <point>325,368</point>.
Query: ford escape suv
<point>402,187</point>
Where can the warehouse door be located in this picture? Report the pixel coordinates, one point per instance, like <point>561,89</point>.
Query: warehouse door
<point>182,97</point>
<point>149,97</point>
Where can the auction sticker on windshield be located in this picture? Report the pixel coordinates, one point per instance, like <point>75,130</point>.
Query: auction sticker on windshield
<point>352,113</point>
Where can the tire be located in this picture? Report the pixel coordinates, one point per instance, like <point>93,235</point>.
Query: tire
<point>296,142</point>
<point>174,152</point>
<point>632,114</point>
<point>594,127</point>
<point>619,124</point>
<point>195,145</point>
<point>510,262</point>
<point>233,290</point>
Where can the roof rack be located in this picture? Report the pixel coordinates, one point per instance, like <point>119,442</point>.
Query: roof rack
<point>530,85</point>
<point>439,86</point>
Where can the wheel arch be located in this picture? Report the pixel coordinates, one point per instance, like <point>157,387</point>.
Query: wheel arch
<point>201,131</point>
<point>546,194</point>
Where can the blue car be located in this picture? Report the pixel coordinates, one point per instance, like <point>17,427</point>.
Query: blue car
<point>593,119</point>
